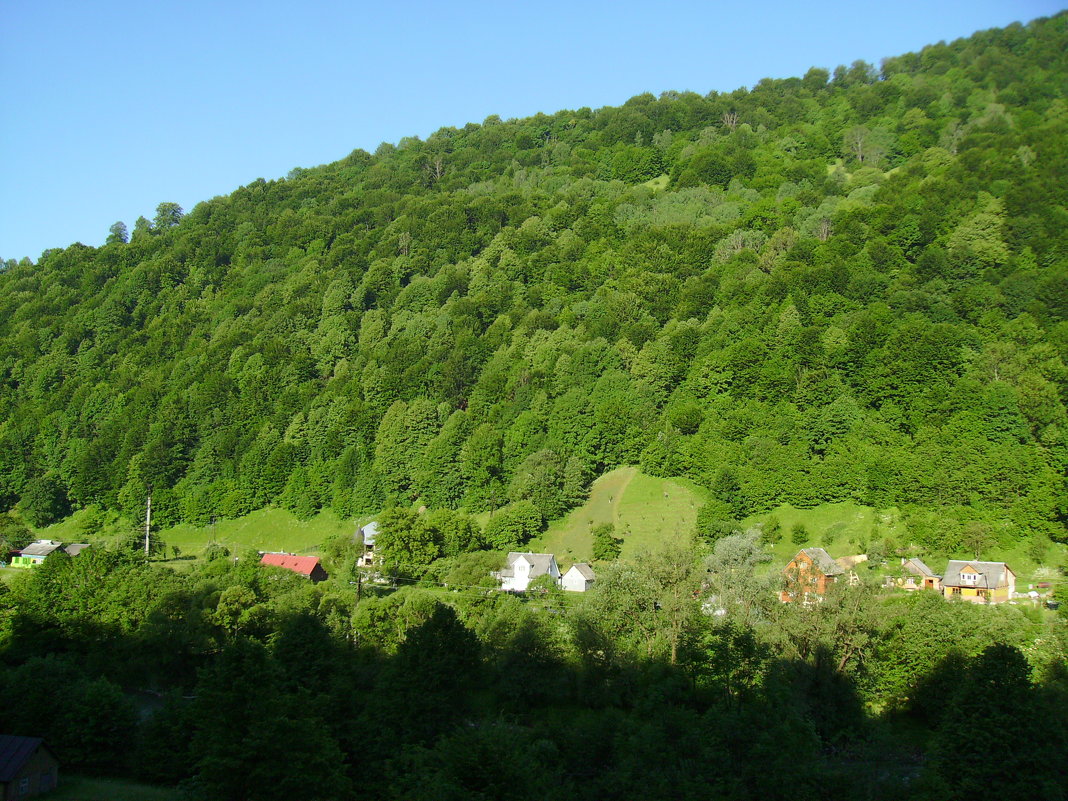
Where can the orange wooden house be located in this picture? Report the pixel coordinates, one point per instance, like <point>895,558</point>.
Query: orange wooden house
<point>809,575</point>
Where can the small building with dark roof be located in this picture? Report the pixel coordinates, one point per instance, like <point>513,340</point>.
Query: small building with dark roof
<point>809,575</point>
<point>27,767</point>
<point>307,566</point>
<point>578,578</point>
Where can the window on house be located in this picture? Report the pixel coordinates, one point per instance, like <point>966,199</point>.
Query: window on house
<point>956,590</point>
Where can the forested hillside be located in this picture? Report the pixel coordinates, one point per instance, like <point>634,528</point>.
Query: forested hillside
<point>844,286</point>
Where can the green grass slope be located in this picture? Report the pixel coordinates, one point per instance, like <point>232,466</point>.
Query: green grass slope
<point>264,530</point>
<point>842,529</point>
<point>82,788</point>
<point>644,510</point>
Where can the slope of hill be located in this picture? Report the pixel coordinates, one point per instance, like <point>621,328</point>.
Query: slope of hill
<point>847,287</point>
<point>643,511</point>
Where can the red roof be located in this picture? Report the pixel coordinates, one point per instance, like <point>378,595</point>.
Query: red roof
<point>298,564</point>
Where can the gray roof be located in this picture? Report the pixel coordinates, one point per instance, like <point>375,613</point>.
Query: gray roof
<point>917,566</point>
<point>540,563</point>
<point>15,752</point>
<point>40,548</point>
<point>75,548</point>
<point>991,574</point>
<point>584,570</point>
<point>370,531</point>
<point>821,559</point>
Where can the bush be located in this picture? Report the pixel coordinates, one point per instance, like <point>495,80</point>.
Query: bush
<point>606,546</point>
<point>771,533</point>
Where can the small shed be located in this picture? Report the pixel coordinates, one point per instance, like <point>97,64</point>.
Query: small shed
<point>27,767</point>
<point>307,566</point>
<point>920,575</point>
<point>75,548</point>
<point>578,578</point>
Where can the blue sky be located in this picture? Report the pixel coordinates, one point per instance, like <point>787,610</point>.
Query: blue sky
<point>111,108</point>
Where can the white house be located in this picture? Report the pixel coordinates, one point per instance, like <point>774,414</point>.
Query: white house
<point>578,577</point>
<point>368,532</point>
<point>522,568</point>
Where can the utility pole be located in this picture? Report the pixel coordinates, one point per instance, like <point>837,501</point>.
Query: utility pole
<point>148,519</point>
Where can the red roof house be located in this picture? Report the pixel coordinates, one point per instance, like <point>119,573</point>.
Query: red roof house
<point>307,566</point>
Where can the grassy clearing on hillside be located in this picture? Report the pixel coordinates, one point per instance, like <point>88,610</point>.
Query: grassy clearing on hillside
<point>81,788</point>
<point>263,530</point>
<point>655,510</point>
<point>843,529</point>
<point>645,511</point>
<point>69,529</point>
<point>840,528</point>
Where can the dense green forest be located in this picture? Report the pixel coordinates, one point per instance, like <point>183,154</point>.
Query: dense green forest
<point>842,286</point>
<point>850,286</point>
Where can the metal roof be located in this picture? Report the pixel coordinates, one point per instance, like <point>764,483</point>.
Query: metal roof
<point>370,531</point>
<point>584,570</point>
<point>991,574</point>
<point>540,563</point>
<point>821,559</point>
<point>40,548</point>
<point>298,564</point>
<point>919,567</point>
<point>15,752</point>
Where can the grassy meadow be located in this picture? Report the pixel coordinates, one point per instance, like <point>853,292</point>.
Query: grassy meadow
<point>644,510</point>
<point>83,788</point>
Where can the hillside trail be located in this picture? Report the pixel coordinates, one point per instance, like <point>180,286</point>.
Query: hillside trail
<point>630,472</point>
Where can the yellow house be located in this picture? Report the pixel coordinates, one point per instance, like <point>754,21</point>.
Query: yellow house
<point>979,582</point>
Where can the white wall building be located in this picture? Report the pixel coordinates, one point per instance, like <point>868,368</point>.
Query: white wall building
<point>578,578</point>
<point>522,568</point>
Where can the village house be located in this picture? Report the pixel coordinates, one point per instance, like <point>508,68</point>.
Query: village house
<point>34,553</point>
<point>27,767</point>
<point>522,568</point>
<point>809,575</point>
<point>369,533</point>
<point>578,578</point>
<point>307,566</point>
<point>915,575</point>
<point>979,582</point>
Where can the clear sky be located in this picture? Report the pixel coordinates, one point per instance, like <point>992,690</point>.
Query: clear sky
<point>109,108</point>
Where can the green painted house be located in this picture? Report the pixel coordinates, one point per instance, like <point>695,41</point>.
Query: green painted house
<point>34,553</point>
